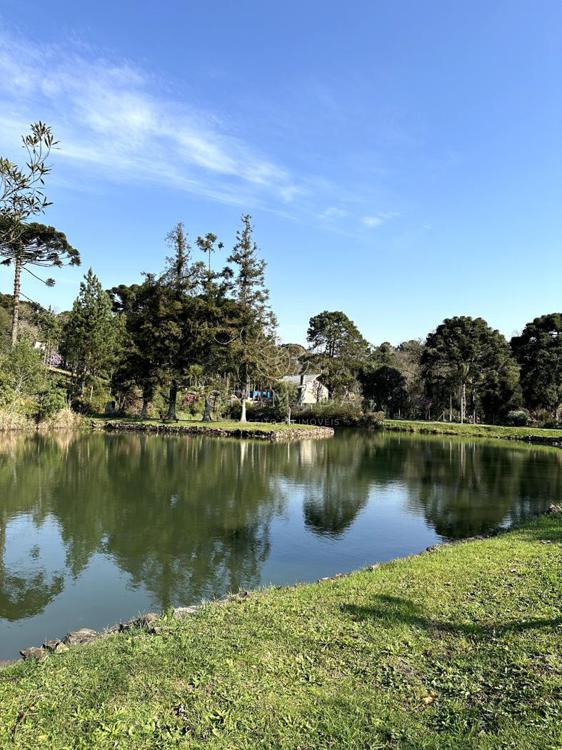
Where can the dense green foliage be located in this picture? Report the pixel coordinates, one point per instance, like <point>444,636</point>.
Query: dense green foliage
<point>88,338</point>
<point>337,349</point>
<point>538,350</point>
<point>194,330</point>
<point>385,387</point>
<point>465,356</point>
<point>454,649</point>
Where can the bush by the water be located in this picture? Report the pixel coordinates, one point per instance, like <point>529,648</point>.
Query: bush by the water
<point>518,418</point>
<point>328,413</point>
<point>338,414</point>
<point>29,394</point>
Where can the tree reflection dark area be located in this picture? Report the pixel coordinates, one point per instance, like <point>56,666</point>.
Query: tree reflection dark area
<point>187,519</point>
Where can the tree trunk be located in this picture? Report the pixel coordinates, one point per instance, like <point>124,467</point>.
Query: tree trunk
<point>463,402</point>
<point>450,407</point>
<point>207,413</point>
<point>145,403</point>
<point>243,412</point>
<point>172,400</point>
<point>16,301</point>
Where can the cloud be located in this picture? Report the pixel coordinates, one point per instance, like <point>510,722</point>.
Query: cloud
<point>376,220</point>
<point>116,122</point>
<point>334,212</point>
<point>372,221</point>
<point>111,117</point>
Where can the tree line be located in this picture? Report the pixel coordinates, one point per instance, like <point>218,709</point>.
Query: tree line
<point>464,370</point>
<point>200,336</point>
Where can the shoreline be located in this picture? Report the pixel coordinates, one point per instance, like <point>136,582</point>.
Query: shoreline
<point>151,621</point>
<point>456,646</point>
<point>529,435</point>
<point>319,429</point>
<point>273,432</point>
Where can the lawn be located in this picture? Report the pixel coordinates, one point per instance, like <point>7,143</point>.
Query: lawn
<point>455,648</point>
<point>471,430</point>
<point>230,425</point>
<point>272,431</point>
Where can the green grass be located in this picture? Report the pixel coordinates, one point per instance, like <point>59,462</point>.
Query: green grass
<point>225,424</point>
<point>470,430</point>
<point>456,648</point>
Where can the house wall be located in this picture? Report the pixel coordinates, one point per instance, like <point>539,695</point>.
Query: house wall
<point>313,393</point>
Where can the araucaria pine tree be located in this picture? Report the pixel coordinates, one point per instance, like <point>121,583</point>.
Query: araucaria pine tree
<point>89,335</point>
<point>33,245</point>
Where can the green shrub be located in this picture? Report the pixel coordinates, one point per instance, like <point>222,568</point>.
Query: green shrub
<point>258,412</point>
<point>22,372</point>
<point>518,418</point>
<point>373,419</point>
<point>49,402</point>
<point>93,400</point>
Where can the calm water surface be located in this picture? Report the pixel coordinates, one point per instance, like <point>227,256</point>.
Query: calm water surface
<point>97,528</point>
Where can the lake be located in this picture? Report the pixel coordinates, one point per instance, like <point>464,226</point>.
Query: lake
<point>95,528</point>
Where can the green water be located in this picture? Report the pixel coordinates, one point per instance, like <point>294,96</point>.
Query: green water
<point>96,528</point>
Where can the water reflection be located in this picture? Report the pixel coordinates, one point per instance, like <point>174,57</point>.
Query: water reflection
<point>180,519</point>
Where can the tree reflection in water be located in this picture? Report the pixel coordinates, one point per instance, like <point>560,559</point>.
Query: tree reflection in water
<point>191,518</point>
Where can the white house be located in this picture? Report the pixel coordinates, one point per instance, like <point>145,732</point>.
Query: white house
<point>310,389</point>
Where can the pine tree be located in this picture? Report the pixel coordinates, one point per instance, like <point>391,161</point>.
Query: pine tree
<point>538,350</point>
<point>249,283</point>
<point>89,335</point>
<point>178,284</point>
<point>33,245</point>
<point>256,323</point>
<point>465,360</point>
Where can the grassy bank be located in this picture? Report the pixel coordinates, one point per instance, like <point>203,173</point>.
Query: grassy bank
<point>13,421</point>
<point>474,430</point>
<point>223,428</point>
<point>456,648</point>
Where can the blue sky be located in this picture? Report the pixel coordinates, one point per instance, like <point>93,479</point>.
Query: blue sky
<point>402,161</point>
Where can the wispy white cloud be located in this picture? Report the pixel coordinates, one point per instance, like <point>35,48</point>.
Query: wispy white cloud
<point>116,122</point>
<point>334,212</point>
<point>110,117</point>
<point>372,221</point>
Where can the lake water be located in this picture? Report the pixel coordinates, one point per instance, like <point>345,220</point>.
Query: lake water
<point>97,528</point>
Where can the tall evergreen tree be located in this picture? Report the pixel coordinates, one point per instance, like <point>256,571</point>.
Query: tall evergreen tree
<point>89,334</point>
<point>181,274</point>
<point>256,322</point>
<point>33,245</point>
<point>338,349</point>
<point>468,363</point>
<point>178,313</point>
<point>141,362</point>
<point>385,387</point>
<point>538,350</point>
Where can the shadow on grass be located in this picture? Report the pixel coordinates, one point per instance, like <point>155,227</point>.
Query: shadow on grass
<point>395,610</point>
<point>545,527</point>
